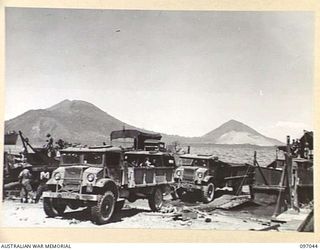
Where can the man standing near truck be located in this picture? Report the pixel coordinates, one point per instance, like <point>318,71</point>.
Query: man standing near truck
<point>25,181</point>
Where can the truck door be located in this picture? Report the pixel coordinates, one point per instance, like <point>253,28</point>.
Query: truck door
<point>113,163</point>
<point>170,165</point>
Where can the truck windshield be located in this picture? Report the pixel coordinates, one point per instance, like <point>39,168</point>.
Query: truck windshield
<point>186,162</point>
<point>81,158</point>
<point>92,158</point>
<point>194,162</point>
<point>70,158</point>
<point>200,163</point>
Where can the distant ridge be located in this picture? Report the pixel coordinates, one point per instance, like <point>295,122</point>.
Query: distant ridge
<point>80,121</point>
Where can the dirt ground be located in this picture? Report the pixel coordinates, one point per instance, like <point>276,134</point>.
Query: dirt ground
<point>138,215</point>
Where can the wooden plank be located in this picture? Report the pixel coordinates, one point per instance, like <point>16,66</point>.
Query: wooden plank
<point>236,177</point>
<point>273,227</point>
<point>308,224</point>
<point>11,185</point>
<point>226,202</point>
<point>267,188</point>
<point>305,185</point>
<point>234,202</point>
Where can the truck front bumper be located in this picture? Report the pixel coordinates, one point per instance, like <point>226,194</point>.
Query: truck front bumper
<point>70,196</point>
<point>190,186</point>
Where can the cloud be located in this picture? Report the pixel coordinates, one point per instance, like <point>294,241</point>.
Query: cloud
<point>294,125</point>
<point>283,128</point>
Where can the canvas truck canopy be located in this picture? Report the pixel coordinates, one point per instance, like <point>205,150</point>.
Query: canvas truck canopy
<point>198,156</point>
<point>91,149</point>
<point>138,136</point>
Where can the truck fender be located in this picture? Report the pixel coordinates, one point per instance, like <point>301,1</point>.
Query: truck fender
<point>51,182</point>
<point>107,184</point>
<point>207,179</point>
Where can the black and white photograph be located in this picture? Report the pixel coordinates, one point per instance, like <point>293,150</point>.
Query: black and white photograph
<point>159,119</point>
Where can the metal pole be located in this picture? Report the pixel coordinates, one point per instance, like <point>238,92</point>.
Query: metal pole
<point>277,210</point>
<point>284,183</point>
<point>289,172</point>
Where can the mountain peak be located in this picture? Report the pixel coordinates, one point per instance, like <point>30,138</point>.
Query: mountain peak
<point>70,120</point>
<point>64,101</point>
<point>59,105</point>
<point>233,122</point>
<point>232,125</point>
<point>69,104</point>
<point>235,132</point>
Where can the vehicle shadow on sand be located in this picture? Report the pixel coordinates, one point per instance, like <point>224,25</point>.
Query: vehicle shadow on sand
<point>193,199</point>
<point>84,215</point>
<point>126,213</point>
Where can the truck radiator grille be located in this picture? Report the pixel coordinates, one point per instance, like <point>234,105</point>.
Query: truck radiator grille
<point>72,173</point>
<point>188,175</point>
<point>72,179</point>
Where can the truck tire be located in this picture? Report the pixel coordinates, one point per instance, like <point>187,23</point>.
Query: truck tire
<point>155,200</point>
<point>119,205</point>
<point>102,212</point>
<point>180,193</point>
<point>174,195</point>
<point>53,207</point>
<point>208,193</point>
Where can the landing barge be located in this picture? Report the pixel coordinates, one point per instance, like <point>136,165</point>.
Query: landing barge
<point>288,182</point>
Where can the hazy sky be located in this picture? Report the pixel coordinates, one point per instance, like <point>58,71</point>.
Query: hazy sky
<point>175,72</point>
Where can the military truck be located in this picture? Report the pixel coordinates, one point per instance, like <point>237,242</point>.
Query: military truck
<point>204,173</point>
<point>102,178</point>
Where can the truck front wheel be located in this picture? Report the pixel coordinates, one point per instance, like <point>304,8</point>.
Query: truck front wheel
<point>156,200</point>
<point>53,207</point>
<point>102,212</point>
<point>180,193</point>
<point>208,193</point>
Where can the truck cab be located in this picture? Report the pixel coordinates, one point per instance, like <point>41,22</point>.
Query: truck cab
<point>198,173</point>
<point>80,168</point>
<point>83,178</point>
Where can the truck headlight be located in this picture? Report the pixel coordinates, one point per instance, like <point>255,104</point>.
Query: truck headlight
<point>178,173</point>
<point>90,177</point>
<point>200,175</point>
<point>57,176</point>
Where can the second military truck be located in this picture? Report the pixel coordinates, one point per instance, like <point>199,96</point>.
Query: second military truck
<point>204,173</point>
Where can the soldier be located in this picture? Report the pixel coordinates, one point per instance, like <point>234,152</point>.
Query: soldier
<point>25,181</point>
<point>44,177</point>
<point>154,163</point>
<point>134,163</point>
<point>306,151</point>
<point>146,163</point>
<point>49,146</point>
